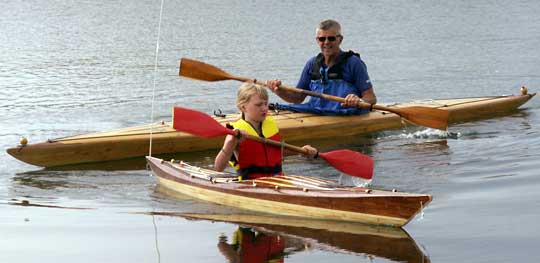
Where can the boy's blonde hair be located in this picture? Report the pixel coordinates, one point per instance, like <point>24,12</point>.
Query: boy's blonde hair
<point>247,90</point>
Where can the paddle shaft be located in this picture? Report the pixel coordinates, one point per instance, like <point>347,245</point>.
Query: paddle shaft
<point>425,116</point>
<point>431,117</point>
<point>319,95</point>
<point>361,104</point>
<point>194,69</point>
<point>201,71</point>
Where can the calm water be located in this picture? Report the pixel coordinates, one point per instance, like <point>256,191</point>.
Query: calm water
<point>71,67</point>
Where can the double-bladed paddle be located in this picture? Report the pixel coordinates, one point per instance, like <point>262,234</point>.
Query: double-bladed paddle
<point>201,124</point>
<point>424,116</point>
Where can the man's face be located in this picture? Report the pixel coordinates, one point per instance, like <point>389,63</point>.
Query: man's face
<point>329,42</point>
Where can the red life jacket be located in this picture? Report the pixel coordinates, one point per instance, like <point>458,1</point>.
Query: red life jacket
<point>257,159</point>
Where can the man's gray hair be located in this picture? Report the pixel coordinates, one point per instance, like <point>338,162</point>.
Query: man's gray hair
<point>329,24</point>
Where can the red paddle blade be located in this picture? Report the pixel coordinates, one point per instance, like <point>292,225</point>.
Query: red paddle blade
<point>197,123</point>
<point>350,162</point>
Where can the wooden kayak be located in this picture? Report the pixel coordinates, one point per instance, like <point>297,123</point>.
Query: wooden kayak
<point>291,195</point>
<point>134,142</point>
<point>337,236</point>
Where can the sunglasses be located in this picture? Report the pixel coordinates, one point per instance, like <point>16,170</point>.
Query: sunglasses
<point>330,38</point>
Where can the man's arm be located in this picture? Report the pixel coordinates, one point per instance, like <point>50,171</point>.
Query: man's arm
<point>369,96</point>
<point>288,96</point>
<point>360,79</point>
<point>303,83</point>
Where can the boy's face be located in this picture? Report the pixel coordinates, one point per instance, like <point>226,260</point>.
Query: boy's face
<point>256,108</point>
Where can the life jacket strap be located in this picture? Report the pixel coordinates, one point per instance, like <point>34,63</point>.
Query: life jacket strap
<point>335,72</point>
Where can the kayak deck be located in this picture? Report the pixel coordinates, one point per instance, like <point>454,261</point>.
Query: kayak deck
<point>291,195</point>
<point>134,142</point>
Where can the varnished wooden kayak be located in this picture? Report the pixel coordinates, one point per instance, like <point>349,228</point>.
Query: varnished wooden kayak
<point>134,142</point>
<point>291,195</point>
<point>341,237</point>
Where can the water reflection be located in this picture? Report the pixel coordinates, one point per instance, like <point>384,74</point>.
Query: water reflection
<point>249,245</point>
<point>44,180</point>
<point>26,203</point>
<point>263,238</point>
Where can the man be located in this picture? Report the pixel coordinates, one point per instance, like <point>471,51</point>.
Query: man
<point>333,72</point>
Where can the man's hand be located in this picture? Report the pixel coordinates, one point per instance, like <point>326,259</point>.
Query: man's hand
<point>352,100</point>
<point>274,85</point>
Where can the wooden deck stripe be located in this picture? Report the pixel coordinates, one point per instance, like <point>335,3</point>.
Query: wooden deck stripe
<point>268,182</point>
<point>138,130</point>
<point>298,179</point>
<point>206,174</point>
<point>212,173</point>
<point>304,179</point>
<point>158,128</point>
<point>300,184</point>
<point>315,179</point>
<point>196,174</point>
<point>290,185</point>
<point>336,187</point>
<point>192,170</point>
<point>468,101</point>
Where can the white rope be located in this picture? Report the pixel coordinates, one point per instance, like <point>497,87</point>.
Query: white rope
<point>155,78</point>
<point>152,120</point>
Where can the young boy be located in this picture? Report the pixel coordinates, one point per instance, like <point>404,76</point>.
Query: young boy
<point>253,159</point>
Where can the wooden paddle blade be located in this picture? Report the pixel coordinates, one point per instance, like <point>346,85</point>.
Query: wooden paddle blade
<point>198,123</point>
<point>194,69</point>
<point>423,116</point>
<point>350,162</point>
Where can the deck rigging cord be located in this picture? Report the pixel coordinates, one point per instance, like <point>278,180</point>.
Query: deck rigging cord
<point>152,120</point>
<point>155,78</point>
